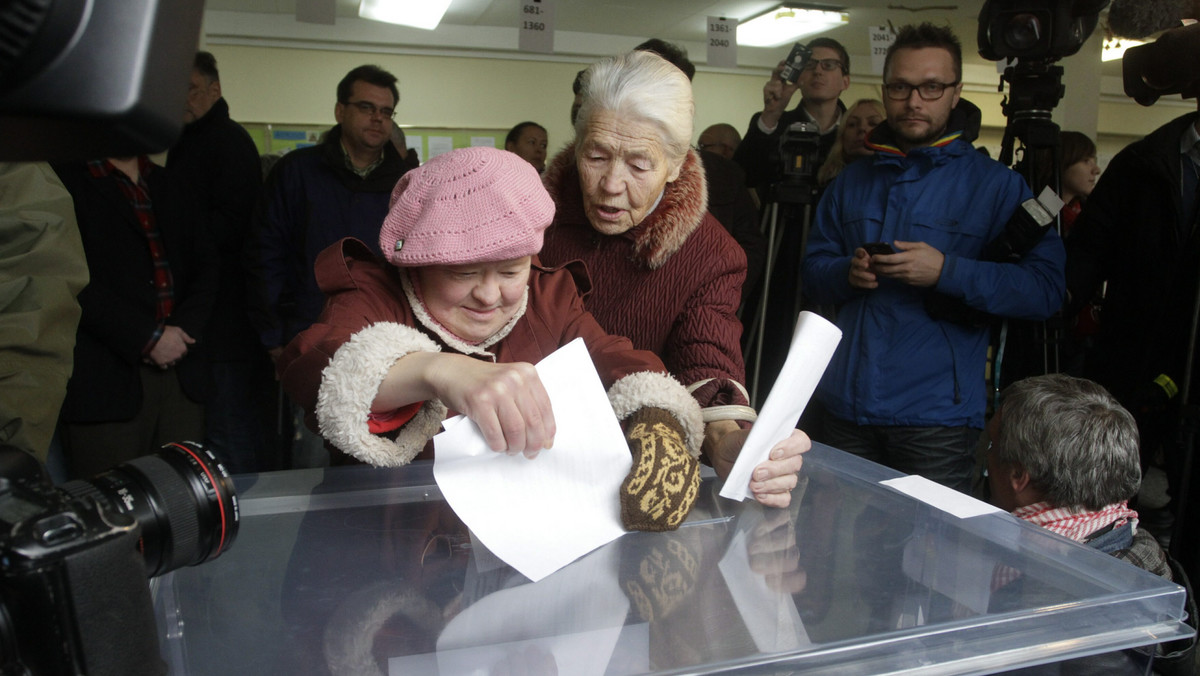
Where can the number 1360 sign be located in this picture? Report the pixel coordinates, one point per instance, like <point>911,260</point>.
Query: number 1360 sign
<point>536,24</point>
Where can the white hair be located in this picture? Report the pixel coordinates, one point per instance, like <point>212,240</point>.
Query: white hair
<point>641,86</point>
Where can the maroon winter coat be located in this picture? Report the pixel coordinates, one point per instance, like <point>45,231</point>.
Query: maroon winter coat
<point>672,284</point>
<point>372,318</point>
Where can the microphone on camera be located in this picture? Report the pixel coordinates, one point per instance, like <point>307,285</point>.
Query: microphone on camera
<point>1139,18</point>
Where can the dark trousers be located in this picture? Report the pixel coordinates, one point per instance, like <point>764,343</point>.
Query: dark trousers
<point>942,454</point>
<point>240,416</point>
<point>166,415</point>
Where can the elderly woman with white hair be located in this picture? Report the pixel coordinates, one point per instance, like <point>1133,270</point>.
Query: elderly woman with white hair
<point>632,203</point>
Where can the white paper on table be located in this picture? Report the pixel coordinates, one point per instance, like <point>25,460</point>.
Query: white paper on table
<point>813,343</point>
<point>539,515</point>
<point>946,499</point>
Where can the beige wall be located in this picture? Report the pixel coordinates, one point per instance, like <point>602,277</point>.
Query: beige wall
<point>296,86</point>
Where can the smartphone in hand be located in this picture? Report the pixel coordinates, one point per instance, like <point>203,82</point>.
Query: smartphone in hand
<point>878,248</point>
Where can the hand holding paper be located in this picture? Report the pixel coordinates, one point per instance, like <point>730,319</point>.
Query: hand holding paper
<point>812,347</point>
<point>540,514</point>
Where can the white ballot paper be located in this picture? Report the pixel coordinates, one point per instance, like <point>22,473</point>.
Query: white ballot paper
<point>539,515</point>
<point>812,347</point>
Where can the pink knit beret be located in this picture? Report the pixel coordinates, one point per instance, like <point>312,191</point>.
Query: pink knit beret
<point>467,206</point>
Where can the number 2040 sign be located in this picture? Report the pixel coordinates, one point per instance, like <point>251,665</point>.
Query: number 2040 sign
<point>535,26</point>
<point>722,42</point>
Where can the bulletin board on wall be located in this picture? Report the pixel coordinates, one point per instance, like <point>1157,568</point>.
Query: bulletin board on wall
<point>428,141</point>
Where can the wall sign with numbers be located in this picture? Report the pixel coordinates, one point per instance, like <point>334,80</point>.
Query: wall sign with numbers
<point>881,37</point>
<point>722,42</point>
<point>536,26</point>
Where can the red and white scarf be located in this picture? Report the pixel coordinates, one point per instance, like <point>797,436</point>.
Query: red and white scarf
<point>1076,525</point>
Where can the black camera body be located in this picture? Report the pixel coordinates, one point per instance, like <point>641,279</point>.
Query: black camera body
<point>1036,29</point>
<point>796,60</point>
<point>71,568</point>
<point>799,149</point>
<point>74,559</point>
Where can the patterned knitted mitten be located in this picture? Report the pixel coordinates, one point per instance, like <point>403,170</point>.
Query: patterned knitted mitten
<point>665,479</point>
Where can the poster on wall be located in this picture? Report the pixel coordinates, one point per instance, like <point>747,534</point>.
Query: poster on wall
<point>536,26</point>
<point>439,145</point>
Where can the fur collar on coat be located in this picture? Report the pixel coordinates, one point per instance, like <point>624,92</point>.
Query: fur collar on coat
<point>663,232</point>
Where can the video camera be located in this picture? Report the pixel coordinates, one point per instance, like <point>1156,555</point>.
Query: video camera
<point>1036,29</point>
<point>1036,34</point>
<point>81,80</point>
<point>73,592</point>
<point>799,149</point>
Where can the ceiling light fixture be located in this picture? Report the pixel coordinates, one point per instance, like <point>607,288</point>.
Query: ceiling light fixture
<point>787,23</point>
<point>425,14</point>
<point>1114,48</point>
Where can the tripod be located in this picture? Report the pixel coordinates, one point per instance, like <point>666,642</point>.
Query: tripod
<point>797,193</point>
<point>1036,87</point>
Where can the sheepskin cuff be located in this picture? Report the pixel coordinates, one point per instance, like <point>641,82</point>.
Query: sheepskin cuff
<point>351,382</point>
<point>660,390</point>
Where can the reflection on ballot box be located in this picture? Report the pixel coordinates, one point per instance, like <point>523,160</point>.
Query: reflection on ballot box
<point>355,570</point>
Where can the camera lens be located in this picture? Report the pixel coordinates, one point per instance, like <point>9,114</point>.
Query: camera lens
<point>182,497</point>
<point>1023,32</point>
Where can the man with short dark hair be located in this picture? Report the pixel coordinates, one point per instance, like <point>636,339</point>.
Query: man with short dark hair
<point>821,84</point>
<point>316,196</point>
<point>216,161</point>
<point>903,388</point>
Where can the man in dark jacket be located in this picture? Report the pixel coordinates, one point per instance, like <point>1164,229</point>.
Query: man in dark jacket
<point>217,162</point>
<point>1137,231</point>
<point>820,86</point>
<point>314,197</point>
<point>141,373</point>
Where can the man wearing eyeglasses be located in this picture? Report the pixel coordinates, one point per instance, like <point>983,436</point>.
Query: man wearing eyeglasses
<point>825,77</point>
<point>905,389</point>
<point>314,197</point>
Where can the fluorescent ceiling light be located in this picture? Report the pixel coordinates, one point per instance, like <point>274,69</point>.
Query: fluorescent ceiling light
<point>1114,48</point>
<point>425,14</point>
<point>787,24</point>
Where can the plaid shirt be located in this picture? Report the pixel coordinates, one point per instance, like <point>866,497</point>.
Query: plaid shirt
<point>143,208</point>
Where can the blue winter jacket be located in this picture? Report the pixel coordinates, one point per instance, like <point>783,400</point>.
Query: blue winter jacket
<point>896,365</point>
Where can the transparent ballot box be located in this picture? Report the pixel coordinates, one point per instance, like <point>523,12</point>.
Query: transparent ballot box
<point>358,570</point>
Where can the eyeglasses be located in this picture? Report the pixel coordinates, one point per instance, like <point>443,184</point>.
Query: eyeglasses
<point>928,91</point>
<point>826,65</point>
<point>368,108</point>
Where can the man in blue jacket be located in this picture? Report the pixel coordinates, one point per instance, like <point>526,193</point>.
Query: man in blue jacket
<point>905,389</point>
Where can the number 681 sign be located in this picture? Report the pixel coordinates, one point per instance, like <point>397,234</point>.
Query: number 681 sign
<point>536,26</point>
